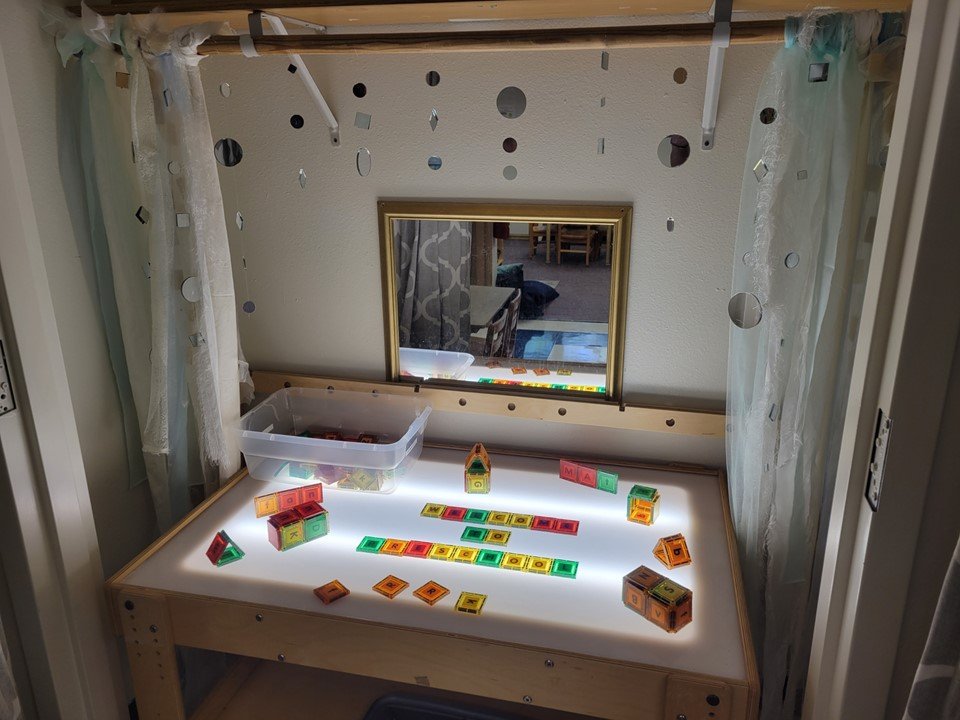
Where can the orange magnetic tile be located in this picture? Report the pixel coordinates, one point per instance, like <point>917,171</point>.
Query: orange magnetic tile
<point>393,547</point>
<point>431,593</point>
<point>391,586</point>
<point>266,505</point>
<point>333,590</point>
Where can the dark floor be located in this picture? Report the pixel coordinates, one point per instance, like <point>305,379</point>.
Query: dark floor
<point>584,291</point>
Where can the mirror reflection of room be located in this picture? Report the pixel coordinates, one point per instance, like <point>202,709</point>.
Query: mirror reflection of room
<point>516,303</point>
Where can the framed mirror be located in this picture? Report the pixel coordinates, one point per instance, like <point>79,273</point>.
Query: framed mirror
<point>528,298</point>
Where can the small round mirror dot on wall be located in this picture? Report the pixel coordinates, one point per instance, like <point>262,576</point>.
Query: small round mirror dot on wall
<point>433,78</point>
<point>680,75</point>
<point>359,90</point>
<point>768,115</point>
<point>296,121</point>
<point>509,145</point>
<point>434,162</point>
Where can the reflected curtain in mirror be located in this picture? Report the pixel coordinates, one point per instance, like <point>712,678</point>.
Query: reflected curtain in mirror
<point>433,283</point>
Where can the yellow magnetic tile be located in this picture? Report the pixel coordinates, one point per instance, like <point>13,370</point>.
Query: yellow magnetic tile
<point>441,552</point>
<point>433,510</point>
<point>521,521</point>
<point>641,515</point>
<point>465,554</point>
<point>514,561</point>
<point>498,518</point>
<point>471,603</point>
<point>540,565</point>
<point>497,537</point>
<point>266,505</point>
<point>394,547</point>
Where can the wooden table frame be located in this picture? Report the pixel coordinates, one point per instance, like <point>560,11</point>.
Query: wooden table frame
<point>152,622</point>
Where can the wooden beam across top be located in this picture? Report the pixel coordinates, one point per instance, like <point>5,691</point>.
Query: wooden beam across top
<point>492,40</point>
<point>347,13</point>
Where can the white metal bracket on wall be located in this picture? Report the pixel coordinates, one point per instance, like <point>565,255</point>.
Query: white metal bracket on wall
<point>722,11</point>
<point>276,22</point>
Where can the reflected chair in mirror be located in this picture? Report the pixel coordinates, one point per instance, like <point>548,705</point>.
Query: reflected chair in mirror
<point>576,240</point>
<point>513,318</point>
<point>492,344</point>
<point>538,232</point>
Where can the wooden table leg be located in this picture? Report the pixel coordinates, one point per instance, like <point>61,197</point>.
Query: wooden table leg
<point>148,636</point>
<point>589,245</point>
<point>548,244</point>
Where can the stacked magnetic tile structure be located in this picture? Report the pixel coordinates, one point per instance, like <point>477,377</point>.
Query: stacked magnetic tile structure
<point>476,470</point>
<point>589,476</point>
<point>643,505</point>
<point>498,517</point>
<point>470,555</point>
<point>303,523</point>
<point>223,550</point>
<point>672,551</point>
<point>659,599</point>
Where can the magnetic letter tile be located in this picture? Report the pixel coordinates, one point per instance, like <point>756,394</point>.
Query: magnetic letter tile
<point>474,534</point>
<point>394,547</point>
<point>231,554</point>
<point>266,505</point>
<point>476,516</point>
<point>569,470</point>
<point>333,590</point>
<point>310,493</point>
<point>431,593</point>
<point>453,513</point>
<point>433,510</point>
<point>540,565</point>
<point>441,552</point>
<point>217,546</point>
<point>498,518</point>
<point>418,548</point>
<point>371,544</point>
<point>587,476</point>
<point>514,561</point>
<point>547,524</point>
<point>391,586</point>
<point>521,521</point>
<point>490,558</point>
<point>497,537</point>
<point>288,499</point>
<point>564,568</point>
<point>568,527</point>
<point>471,603</point>
<point>607,481</point>
<point>465,554</point>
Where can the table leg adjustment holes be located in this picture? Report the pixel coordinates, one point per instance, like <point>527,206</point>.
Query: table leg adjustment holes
<point>128,605</point>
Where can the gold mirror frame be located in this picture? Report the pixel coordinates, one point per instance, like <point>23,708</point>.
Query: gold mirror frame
<point>618,216</point>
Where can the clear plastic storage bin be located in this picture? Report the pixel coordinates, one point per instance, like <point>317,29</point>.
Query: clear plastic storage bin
<point>377,437</point>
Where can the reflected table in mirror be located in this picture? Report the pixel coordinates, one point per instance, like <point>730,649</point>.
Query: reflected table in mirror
<point>538,636</point>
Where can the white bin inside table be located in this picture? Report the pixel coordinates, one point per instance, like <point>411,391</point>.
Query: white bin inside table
<point>271,443</point>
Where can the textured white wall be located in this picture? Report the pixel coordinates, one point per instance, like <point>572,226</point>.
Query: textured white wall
<point>313,255</point>
<point>124,518</point>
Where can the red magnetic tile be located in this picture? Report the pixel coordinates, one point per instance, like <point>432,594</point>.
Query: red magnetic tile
<point>217,546</point>
<point>309,509</point>
<point>453,513</point>
<point>289,499</point>
<point>568,470</point>
<point>418,548</point>
<point>567,527</point>
<point>312,493</point>
<point>547,524</point>
<point>587,476</point>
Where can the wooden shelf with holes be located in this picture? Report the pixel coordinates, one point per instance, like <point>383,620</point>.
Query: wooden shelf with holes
<point>540,644</point>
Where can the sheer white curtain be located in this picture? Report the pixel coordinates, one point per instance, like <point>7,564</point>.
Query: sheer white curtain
<point>810,188</point>
<point>157,213</point>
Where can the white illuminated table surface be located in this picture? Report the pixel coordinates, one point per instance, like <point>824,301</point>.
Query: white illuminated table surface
<point>583,615</point>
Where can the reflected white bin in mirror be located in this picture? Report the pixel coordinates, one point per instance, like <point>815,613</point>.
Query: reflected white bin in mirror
<point>434,364</point>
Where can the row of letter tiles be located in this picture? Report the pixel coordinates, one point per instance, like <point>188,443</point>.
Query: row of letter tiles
<point>497,517</point>
<point>473,556</point>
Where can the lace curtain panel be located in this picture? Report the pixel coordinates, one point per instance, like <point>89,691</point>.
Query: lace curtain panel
<point>810,191</point>
<point>160,249</point>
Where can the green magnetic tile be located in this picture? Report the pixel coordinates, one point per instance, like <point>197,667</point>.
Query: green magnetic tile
<point>371,544</point>
<point>474,534</point>
<point>565,568</point>
<point>643,492</point>
<point>315,527</point>
<point>231,554</point>
<point>490,558</point>
<point>476,516</point>
<point>607,481</point>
